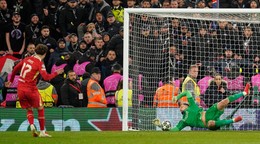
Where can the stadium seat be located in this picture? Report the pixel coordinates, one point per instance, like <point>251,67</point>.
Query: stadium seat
<point>255,80</point>
<point>235,85</point>
<point>55,67</point>
<point>204,83</point>
<point>79,69</point>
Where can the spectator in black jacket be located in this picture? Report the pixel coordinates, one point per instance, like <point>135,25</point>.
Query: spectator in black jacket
<point>79,52</point>
<point>238,4</point>
<point>87,5</point>
<point>216,91</point>
<point>100,23</point>
<point>30,50</point>
<point>71,92</point>
<point>249,44</point>
<point>88,38</point>
<point>46,39</point>
<point>61,48</point>
<point>223,3</point>
<point>97,51</point>
<point>51,18</point>
<point>15,35</point>
<point>5,19</point>
<point>107,64</point>
<point>113,25</point>
<point>116,44</point>
<point>101,6</point>
<point>106,38</point>
<point>71,17</point>
<point>23,7</point>
<point>32,30</point>
<point>73,42</point>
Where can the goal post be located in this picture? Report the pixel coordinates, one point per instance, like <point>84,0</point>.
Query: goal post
<point>125,71</point>
<point>155,51</point>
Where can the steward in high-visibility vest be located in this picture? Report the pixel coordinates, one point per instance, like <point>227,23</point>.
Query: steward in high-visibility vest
<point>118,12</point>
<point>48,94</point>
<point>163,96</point>
<point>95,93</point>
<point>119,94</point>
<point>119,97</point>
<point>191,85</point>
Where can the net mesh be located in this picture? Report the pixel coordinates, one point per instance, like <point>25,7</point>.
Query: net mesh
<point>162,47</point>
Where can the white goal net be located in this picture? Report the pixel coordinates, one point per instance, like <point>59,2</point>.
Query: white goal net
<point>161,44</point>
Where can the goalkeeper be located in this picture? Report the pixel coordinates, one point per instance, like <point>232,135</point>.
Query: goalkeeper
<point>195,117</point>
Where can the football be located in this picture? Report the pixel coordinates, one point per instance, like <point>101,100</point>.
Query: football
<point>166,125</point>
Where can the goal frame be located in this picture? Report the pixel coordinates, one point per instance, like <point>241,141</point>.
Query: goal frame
<point>128,11</point>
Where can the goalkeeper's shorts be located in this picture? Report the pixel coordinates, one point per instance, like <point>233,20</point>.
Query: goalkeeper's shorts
<point>213,113</point>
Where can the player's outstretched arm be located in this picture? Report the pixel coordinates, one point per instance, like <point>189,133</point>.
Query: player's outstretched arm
<point>176,98</point>
<point>182,95</point>
<point>185,93</point>
<point>190,99</point>
<point>16,69</point>
<point>47,76</point>
<point>181,125</point>
<point>175,129</point>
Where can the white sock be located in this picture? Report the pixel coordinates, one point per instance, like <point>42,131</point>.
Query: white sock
<point>32,126</point>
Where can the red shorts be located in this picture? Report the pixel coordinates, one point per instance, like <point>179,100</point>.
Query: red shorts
<point>29,97</point>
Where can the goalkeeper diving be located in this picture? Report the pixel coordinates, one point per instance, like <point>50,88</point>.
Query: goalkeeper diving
<point>195,116</point>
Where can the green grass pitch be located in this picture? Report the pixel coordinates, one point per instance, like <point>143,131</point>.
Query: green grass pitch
<point>143,137</point>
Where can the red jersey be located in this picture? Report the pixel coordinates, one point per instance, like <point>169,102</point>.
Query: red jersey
<point>30,68</point>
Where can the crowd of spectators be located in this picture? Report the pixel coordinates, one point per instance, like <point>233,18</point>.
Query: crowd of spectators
<point>89,33</point>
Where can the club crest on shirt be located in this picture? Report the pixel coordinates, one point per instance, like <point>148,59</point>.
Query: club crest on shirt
<point>30,61</point>
<point>43,67</point>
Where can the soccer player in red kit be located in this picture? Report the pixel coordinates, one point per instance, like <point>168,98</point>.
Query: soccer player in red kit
<point>27,91</point>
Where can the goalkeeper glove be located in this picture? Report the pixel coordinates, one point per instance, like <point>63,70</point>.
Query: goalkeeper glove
<point>157,122</point>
